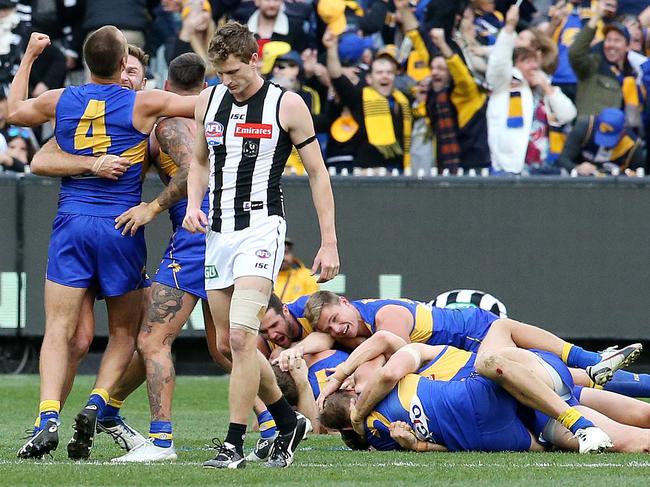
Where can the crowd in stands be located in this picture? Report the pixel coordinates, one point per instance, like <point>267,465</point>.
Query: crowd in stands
<point>535,87</point>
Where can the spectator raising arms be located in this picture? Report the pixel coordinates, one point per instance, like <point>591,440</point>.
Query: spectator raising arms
<point>522,106</point>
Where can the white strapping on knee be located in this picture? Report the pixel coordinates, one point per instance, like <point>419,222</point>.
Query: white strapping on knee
<point>560,388</point>
<point>413,351</point>
<point>247,307</point>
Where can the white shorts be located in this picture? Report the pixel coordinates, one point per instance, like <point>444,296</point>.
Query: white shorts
<point>253,251</point>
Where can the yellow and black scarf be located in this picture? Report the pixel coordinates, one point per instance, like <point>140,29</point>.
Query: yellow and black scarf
<point>379,123</point>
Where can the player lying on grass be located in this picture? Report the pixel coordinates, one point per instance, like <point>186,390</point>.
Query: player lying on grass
<point>472,329</point>
<point>461,410</point>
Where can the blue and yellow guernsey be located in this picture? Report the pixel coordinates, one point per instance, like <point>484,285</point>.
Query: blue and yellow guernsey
<point>434,326</point>
<point>169,169</point>
<point>318,371</point>
<point>297,310</point>
<point>93,120</point>
<point>459,409</point>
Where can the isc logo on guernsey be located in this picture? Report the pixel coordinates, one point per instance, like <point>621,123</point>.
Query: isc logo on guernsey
<point>254,130</point>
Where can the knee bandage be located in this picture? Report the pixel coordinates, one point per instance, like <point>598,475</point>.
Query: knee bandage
<point>247,307</point>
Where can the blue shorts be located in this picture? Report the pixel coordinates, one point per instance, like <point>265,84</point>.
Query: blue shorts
<point>87,251</point>
<point>182,266</point>
<point>461,328</point>
<point>482,417</point>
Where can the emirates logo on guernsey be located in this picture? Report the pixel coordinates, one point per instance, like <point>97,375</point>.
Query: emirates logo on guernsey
<point>254,130</point>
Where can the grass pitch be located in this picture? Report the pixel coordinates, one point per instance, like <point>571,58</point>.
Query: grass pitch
<point>200,412</point>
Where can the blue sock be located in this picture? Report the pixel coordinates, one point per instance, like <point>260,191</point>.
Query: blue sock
<point>98,398</point>
<point>580,358</point>
<point>161,432</point>
<point>267,425</point>
<point>45,416</point>
<point>629,384</point>
<point>581,424</point>
<point>110,412</point>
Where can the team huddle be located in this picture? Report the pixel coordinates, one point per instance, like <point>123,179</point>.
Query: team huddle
<point>454,374</point>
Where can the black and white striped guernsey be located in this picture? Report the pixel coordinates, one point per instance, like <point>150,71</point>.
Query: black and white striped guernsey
<point>466,298</point>
<point>248,150</point>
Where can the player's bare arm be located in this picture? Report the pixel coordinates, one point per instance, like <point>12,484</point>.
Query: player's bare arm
<point>32,111</point>
<point>197,179</point>
<point>296,119</point>
<point>52,161</point>
<point>175,137</point>
<point>313,343</point>
<point>381,343</point>
<point>404,361</point>
<point>152,104</point>
<point>396,319</point>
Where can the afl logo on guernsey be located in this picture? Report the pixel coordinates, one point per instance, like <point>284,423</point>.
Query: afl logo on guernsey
<point>263,254</point>
<point>254,130</point>
<point>214,133</point>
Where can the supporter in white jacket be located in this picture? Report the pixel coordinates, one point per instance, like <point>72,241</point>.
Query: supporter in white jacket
<point>522,105</point>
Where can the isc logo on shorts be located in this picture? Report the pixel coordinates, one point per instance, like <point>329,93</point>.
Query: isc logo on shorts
<point>211,272</point>
<point>254,130</point>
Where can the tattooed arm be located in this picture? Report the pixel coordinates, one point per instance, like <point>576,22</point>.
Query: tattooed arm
<point>176,138</point>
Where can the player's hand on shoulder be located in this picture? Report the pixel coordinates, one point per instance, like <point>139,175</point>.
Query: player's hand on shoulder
<point>195,221</point>
<point>37,44</point>
<point>134,218</point>
<point>327,259</point>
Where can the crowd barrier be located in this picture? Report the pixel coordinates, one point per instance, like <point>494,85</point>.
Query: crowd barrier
<point>570,254</point>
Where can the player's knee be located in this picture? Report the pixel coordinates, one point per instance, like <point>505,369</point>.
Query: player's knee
<point>145,344</point>
<point>223,346</point>
<point>240,341</point>
<point>79,346</point>
<point>247,307</point>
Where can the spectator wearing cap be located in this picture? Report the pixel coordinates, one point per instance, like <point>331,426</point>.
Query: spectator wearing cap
<point>294,279</point>
<point>287,71</point>
<point>523,107</point>
<point>271,23</point>
<point>382,113</point>
<point>602,144</point>
<point>604,73</point>
<point>343,143</point>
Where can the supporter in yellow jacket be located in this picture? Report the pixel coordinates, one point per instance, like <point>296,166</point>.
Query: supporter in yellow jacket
<point>294,279</point>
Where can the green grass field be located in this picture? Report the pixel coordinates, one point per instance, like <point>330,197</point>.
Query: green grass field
<point>201,413</point>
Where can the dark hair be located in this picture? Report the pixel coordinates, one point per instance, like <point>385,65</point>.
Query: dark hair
<point>353,441</point>
<point>523,53</point>
<point>287,385</point>
<point>28,142</point>
<point>275,303</point>
<point>140,55</point>
<point>232,38</point>
<point>187,71</point>
<point>104,50</point>
<point>336,411</point>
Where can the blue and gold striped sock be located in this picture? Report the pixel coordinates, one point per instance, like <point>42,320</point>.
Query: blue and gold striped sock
<point>267,425</point>
<point>98,398</point>
<point>112,409</point>
<point>573,420</point>
<point>575,356</point>
<point>161,433</point>
<point>47,410</point>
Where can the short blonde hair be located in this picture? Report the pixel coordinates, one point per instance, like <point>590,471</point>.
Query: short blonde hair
<point>315,303</point>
